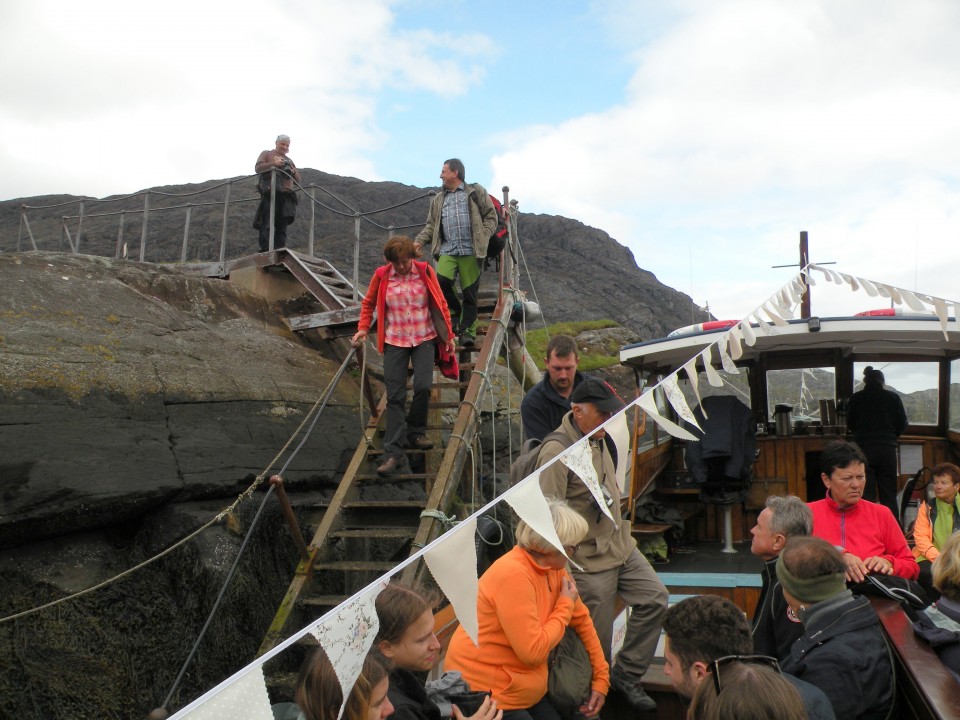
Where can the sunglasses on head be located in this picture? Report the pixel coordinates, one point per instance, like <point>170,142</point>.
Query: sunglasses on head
<point>750,659</point>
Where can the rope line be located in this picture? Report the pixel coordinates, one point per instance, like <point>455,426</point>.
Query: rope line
<point>217,518</point>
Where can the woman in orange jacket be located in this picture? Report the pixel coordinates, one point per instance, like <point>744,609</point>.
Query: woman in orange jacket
<point>937,519</point>
<point>525,602</point>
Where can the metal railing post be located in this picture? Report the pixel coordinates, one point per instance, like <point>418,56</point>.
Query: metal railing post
<point>186,233</point>
<point>390,232</point>
<point>277,483</point>
<point>143,233</point>
<point>26,222</point>
<point>20,229</point>
<point>123,216</point>
<point>313,216</point>
<point>356,257</point>
<point>79,227</point>
<point>273,206</point>
<point>66,234</point>
<point>223,232</point>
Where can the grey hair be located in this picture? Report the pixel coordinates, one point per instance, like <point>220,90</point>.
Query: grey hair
<point>283,138</point>
<point>570,525</point>
<point>790,516</point>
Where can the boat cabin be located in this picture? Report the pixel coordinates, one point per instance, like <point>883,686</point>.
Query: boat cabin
<point>797,382</point>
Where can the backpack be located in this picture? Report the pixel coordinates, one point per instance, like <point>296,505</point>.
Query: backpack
<point>526,461</point>
<point>498,241</point>
<point>570,674</point>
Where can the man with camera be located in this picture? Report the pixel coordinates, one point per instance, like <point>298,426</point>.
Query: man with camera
<point>286,199</point>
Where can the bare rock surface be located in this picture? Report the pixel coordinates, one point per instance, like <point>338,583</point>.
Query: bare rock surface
<point>125,386</point>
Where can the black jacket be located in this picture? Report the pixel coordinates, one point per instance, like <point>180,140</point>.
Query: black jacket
<point>542,408</point>
<point>773,631</point>
<point>876,416</point>
<point>409,697</point>
<point>843,652</point>
<point>945,641</point>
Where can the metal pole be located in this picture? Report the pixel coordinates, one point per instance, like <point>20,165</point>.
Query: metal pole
<point>143,233</point>
<point>26,222</point>
<point>123,215</point>
<point>20,229</point>
<point>79,226</point>
<point>356,257</point>
<point>390,233</point>
<point>223,233</point>
<point>804,261</point>
<point>277,483</point>
<point>66,232</point>
<point>186,233</point>
<point>273,205</point>
<point>313,216</point>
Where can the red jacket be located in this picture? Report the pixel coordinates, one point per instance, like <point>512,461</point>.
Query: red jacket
<point>865,529</point>
<point>522,617</point>
<point>376,298</point>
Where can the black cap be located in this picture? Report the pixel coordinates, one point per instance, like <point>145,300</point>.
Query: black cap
<point>599,393</point>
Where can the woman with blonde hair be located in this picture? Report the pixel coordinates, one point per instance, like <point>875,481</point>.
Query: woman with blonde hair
<point>740,688</point>
<point>940,626</point>
<point>319,695</point>
<point>525,602</point>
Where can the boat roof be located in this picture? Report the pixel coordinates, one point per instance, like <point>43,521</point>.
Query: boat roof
<point>896,335</point>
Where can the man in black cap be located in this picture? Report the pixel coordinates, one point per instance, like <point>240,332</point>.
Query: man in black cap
<point>611,563</point>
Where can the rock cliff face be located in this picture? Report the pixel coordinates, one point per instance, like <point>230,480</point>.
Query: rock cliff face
<point>579,272</point>
<point>123,387</point>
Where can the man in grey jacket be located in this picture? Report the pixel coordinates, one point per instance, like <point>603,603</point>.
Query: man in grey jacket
<point>611,563</point>
<point>459,224</point>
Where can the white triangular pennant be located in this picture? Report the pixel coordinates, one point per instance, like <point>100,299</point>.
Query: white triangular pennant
<point>619,432</point>
<point>713,377</point>
<point>453,565</point>
<point>348,634</point>
<point>735,338</point>
<point>678,401</point>
<point>777,319</point>
<point>649,405</point>
<point>690,368</point>
<point>749,336</point>
<point>912,301</point>
<point>725,360</point>
<point>579,458</point>
<point>852,282</point>
<point>246,697</point>
<point>940,307</point>
<point>763,327</point>
<point>869,288</point>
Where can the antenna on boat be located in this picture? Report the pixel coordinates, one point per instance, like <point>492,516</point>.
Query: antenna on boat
<point>804,261</point>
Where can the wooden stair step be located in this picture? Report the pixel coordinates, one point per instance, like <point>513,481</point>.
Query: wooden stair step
<point>450,384</point>
<point>396,476</point>
<point>376,532</point>
<point>380,566</point>
<point>382,504</point>
<point>444,405</point>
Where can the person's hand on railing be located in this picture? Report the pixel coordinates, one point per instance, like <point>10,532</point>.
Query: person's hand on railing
<point>357,340</point>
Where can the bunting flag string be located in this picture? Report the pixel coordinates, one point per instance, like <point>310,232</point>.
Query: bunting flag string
<point>619,432</point>
<point>347,632</point>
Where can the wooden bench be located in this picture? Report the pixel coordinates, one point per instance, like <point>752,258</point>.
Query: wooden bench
<point>925,688</point>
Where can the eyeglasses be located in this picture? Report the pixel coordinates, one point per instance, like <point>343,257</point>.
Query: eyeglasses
<point>750,659</point>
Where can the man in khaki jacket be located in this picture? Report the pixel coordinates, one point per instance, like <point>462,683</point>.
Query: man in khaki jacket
<point>459,224</point>
<point>611,563</point>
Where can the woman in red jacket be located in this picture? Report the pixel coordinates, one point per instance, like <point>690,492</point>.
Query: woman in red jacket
<point>412,317</point>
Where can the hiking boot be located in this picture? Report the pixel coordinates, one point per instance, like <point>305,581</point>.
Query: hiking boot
<point>627,686</point>
<point>420,442</point>
<point>389,466</point>
<point>467,340</point>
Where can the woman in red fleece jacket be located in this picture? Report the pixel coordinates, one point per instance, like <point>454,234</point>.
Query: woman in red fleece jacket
<point>866,533</point>
<point>412,318</point>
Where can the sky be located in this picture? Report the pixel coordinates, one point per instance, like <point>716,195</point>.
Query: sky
<point>704,135</point>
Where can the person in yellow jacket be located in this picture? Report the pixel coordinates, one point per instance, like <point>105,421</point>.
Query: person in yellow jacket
<point>525,602</point>
<point>936,520</point>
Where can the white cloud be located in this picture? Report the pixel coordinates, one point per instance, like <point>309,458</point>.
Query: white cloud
<point>107,96</point>
<point>748,121</point>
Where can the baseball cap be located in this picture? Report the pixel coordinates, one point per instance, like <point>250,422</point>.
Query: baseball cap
<point>599,393</point>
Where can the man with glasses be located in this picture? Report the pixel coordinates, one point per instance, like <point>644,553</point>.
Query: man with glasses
<point>704,633</point>
<point>612,565</point>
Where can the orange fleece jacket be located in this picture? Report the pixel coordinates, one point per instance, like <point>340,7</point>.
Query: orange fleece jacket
<point>522,617</point>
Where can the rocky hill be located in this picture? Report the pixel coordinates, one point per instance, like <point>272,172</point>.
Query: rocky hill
<point>578,272</point>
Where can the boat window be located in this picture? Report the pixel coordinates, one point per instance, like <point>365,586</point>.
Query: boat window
<point>738,385</point>
<point>802,389</point>
<point>955,395</point>
<point>915,382</point>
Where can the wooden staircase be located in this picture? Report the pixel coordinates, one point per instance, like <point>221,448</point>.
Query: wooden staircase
<point>372,523</point>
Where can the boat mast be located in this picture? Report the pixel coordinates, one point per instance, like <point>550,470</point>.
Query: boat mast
<point>804,261</point>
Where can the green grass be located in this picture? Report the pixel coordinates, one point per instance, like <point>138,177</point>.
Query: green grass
<point>537,343</point>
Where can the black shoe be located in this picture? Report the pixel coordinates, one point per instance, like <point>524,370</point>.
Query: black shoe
<point>467,340</point>
<point>389,466</point>
<point>420,442</point>
<point>631,689</point>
